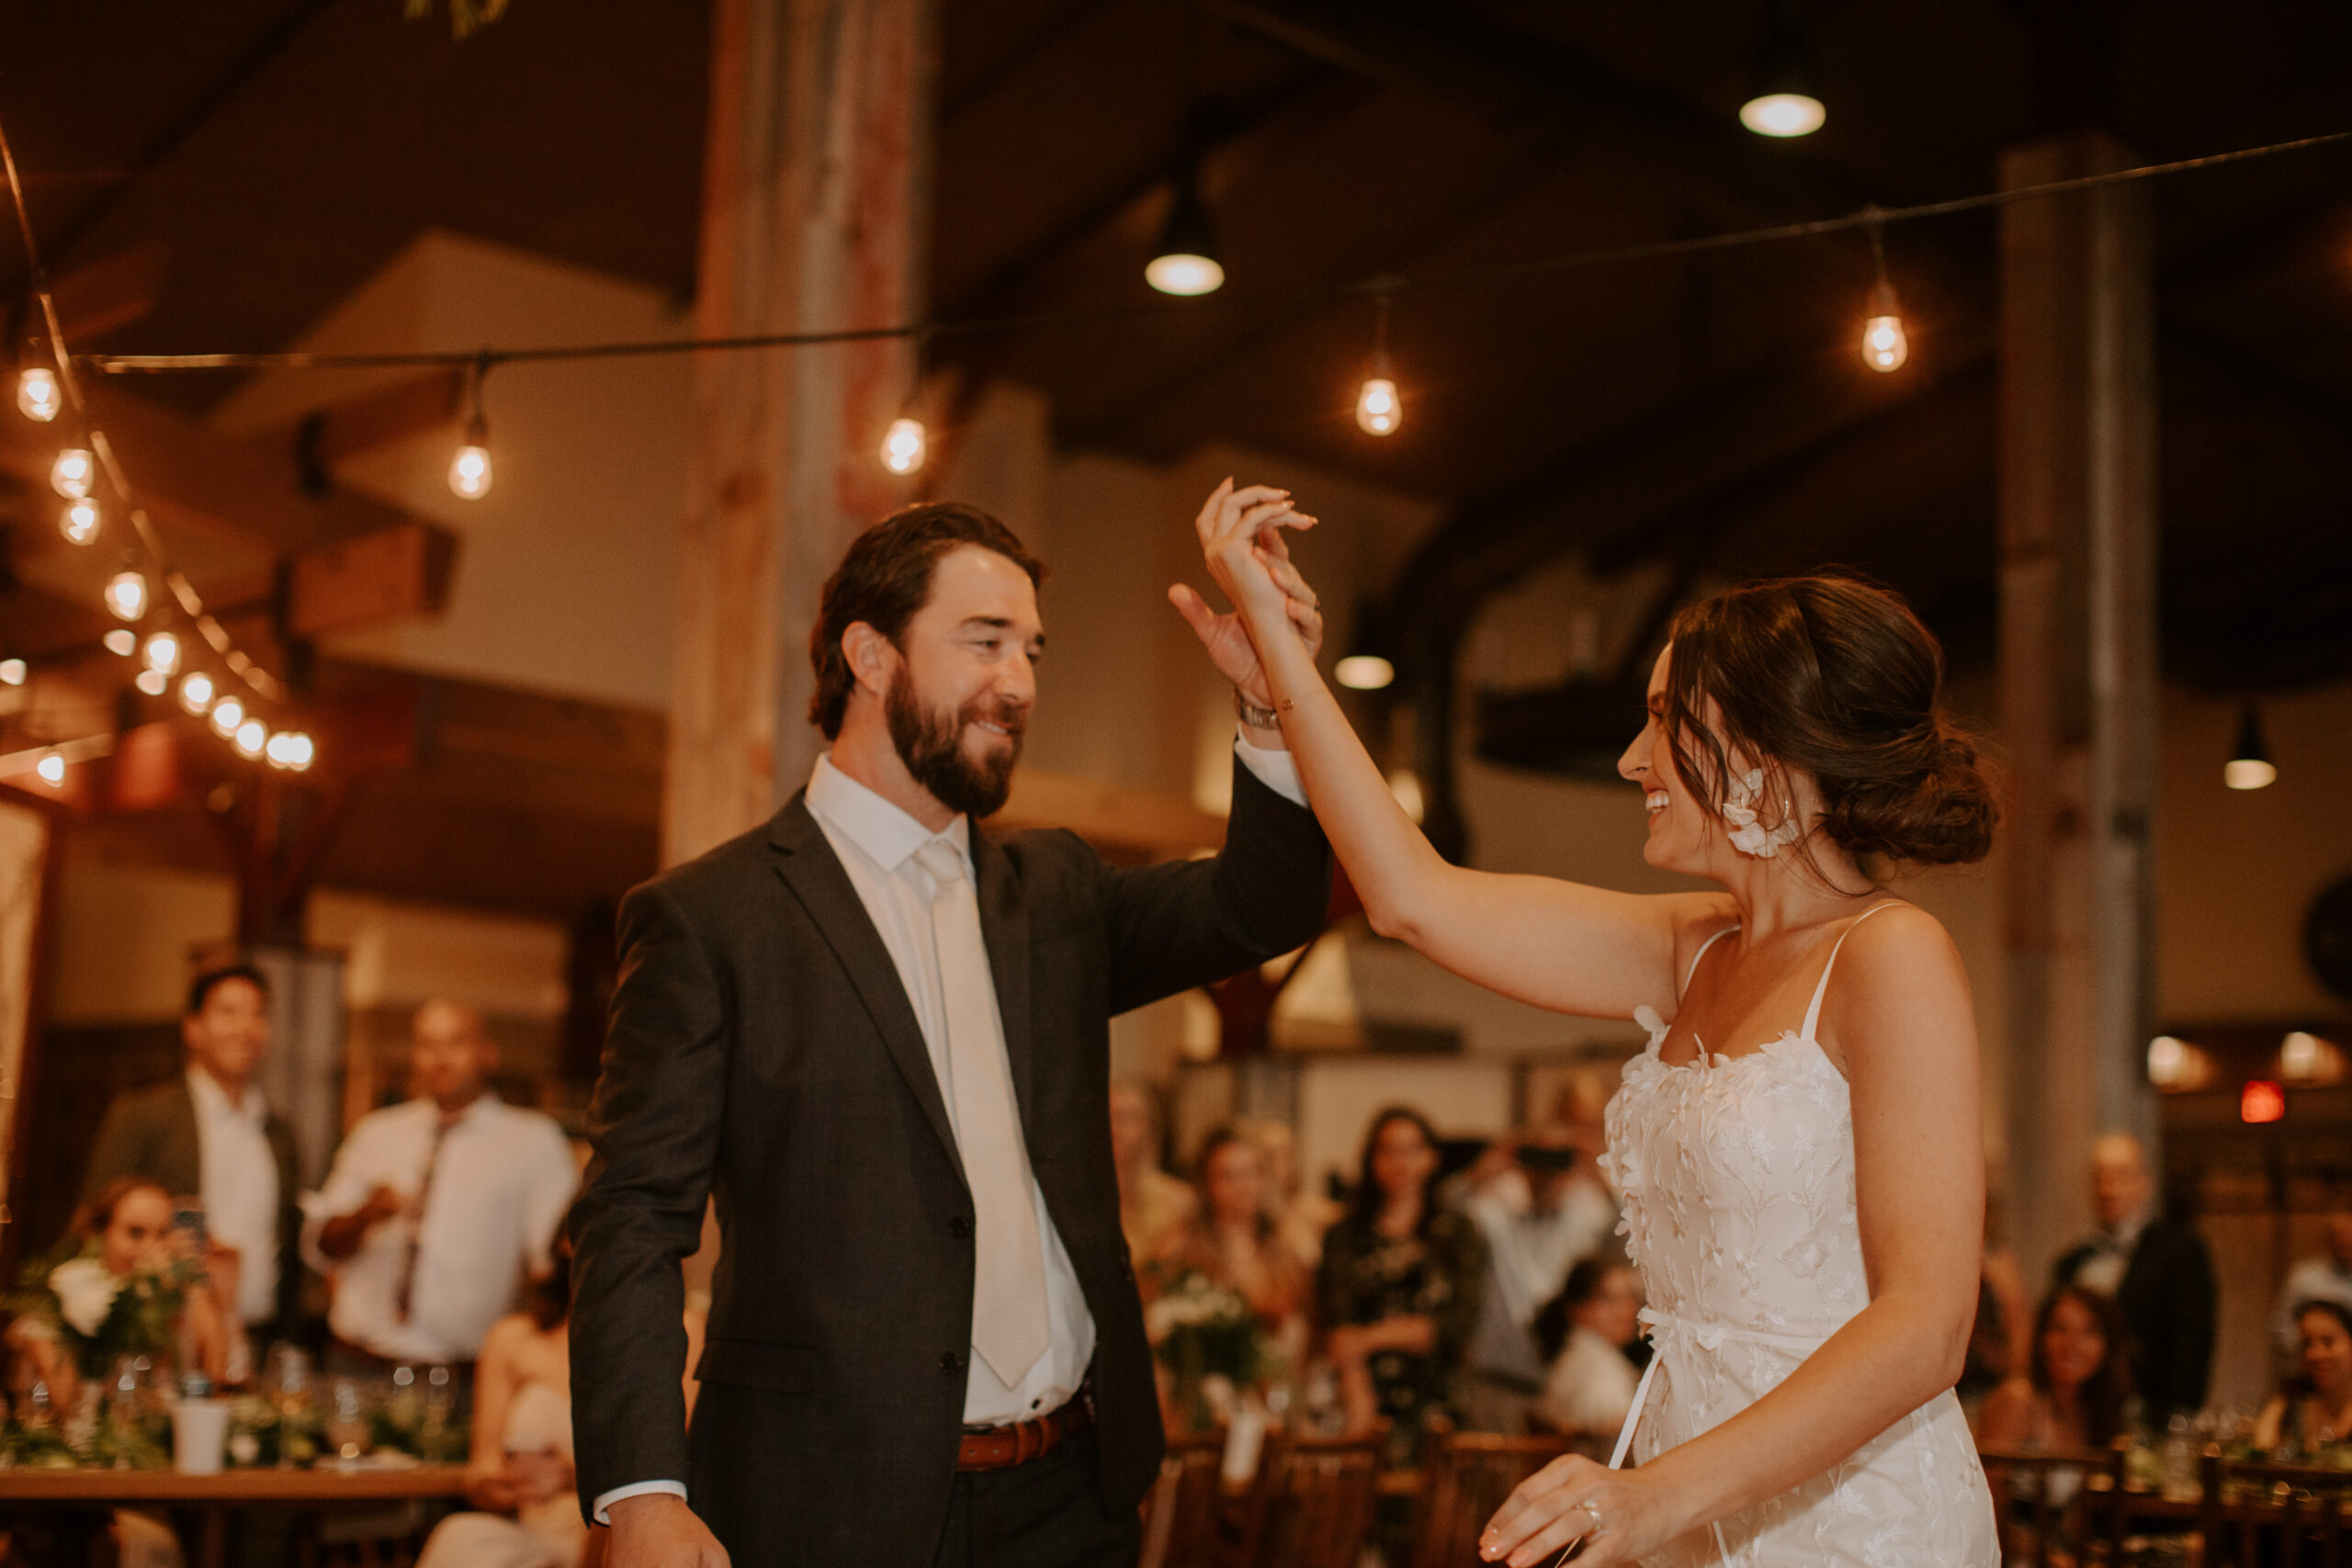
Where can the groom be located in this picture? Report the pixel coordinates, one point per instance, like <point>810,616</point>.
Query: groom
<point>881,1039</point>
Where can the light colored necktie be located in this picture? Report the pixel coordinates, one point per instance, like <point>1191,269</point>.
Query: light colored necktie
<point>1009,1326</point>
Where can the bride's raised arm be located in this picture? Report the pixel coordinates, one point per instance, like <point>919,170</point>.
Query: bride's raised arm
<point>1558,944</point>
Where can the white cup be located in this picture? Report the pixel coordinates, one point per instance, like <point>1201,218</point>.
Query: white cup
<point>199,1433</point>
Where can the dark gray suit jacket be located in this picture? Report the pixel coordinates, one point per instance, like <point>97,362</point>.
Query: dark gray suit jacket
<point>151,1133</point>
<point>761,1047</point>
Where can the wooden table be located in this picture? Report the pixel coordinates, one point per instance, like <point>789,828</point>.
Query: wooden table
<point>215,1496</point>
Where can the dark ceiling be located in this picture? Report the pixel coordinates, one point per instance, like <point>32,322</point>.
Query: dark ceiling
<point>267,157</point>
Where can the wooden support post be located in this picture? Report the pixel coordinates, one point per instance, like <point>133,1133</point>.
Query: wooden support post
<point>2078,673</point>
<point>815,206</point>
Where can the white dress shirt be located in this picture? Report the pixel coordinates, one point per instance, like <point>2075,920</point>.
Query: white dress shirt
<point>876,843</point>
<point>1529,1254</point>
<point>500,1184</point>
<point>239,1179</point>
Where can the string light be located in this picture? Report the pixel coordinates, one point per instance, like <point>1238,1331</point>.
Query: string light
<point>51,768</point>
<point>905,446</point>
<point>162,653</point>
<point>127,595</point>
<point>1379,410</point>
<point>469,471</point>
<point>291,750</point>
<point>252,736</point>
<point>72,473</point>
<point>120,642</point>
<point>13,671</point>
<point>196,692</point>
<point>37,396</point>
<point>1364,672</point>
<point>154,682</point>
<point>1184,261</point>
<point>1884,344</point>
<point>80,520</point>
<point>227,715</point>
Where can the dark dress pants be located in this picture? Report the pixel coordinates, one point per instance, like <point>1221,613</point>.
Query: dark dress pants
<point>1048,1513</point>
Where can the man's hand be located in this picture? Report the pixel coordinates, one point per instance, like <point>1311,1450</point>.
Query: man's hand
<point>341,1236</point>
<point>1264,513</point>
<point>656,1530</point>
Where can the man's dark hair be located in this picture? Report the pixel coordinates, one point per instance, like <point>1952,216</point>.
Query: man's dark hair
<point>200,990</point>
<point>885,578</point>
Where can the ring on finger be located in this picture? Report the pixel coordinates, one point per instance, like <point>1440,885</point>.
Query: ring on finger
<point>1588,1507</point>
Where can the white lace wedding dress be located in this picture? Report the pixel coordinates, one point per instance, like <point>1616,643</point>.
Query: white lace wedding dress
<point>1738,1179</point>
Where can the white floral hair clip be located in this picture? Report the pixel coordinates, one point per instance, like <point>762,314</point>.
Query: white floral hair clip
<point>1748,836</point>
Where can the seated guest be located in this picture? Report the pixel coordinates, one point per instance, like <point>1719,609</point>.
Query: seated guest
<point>1232,1241</point>
<point>1587,1328</point>
<point>437,1209</point>
<point>519,1474</point>
<point>2160,1273</point>
<point>1539,1220</point>
<point>125,1227</point>
<point>1398,1287</point>
<point>2314,1411</point>
<point>2077,1387</point>
<point>208,1136</point>
<point>2325,1278</point>
<point>1152,1204</point>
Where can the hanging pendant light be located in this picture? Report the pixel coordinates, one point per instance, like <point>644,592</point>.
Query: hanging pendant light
<point>1783,104</point>
<point>1185,259</point>
<point>2250,766</point>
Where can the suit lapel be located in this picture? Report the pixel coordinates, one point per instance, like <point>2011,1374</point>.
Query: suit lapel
<point>808,866</point>
<point>1004,923</point>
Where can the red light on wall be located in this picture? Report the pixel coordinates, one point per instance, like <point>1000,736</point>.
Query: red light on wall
<point>2261,1101</point>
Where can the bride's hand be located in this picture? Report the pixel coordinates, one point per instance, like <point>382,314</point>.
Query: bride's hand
<point>1240,532</point>
<point>1549,1511</point>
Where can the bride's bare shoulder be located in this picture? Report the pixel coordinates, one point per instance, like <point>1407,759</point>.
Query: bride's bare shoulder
<point>1900,955</point>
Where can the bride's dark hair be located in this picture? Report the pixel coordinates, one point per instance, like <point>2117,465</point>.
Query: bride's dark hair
<point>1835,676</point>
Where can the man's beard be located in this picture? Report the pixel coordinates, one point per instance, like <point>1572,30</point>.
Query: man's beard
<point>932,746</point>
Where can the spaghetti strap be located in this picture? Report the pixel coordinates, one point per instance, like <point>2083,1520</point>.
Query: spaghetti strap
<point>1690,974</point>
<point>1813,1013</point>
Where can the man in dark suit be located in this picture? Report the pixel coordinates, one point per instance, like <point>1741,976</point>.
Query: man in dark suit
<point>882,1041</point>
<point>2159,1272</point>
<point>208,1136</point>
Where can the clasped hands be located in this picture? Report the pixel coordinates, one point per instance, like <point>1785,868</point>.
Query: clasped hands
<point>1241,533</point>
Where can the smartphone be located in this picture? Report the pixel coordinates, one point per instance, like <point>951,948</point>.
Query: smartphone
<point>188,1219</point>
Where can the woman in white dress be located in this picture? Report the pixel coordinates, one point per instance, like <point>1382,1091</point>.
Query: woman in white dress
<point>1802,1163</point>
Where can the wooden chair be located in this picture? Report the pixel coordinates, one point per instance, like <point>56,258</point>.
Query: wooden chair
<point>2061,1507</point>
<point>1464,1478</point>
<point>1180,1516</point>
<point>1319,1496</point>
<point>2274,1516</point>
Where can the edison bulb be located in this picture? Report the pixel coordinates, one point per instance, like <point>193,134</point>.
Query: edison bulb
<point>71,475</point>
<point>154,682</point>
<point>469,471</point>
<point>1784,114</point>
<point>79,522</point>
<point>37,393</point>
<point>127,595</point>
<point>1884,345</point>
<point>299,750</point>
<point>1379,409</point>
<point>252,736</point>
<point>227,714</point>
<point>196,692</point>
<point>13,671</point>
<point>51,768</point>
<point>162,653</point>
<point>120,643</point>
<point>905,446</point>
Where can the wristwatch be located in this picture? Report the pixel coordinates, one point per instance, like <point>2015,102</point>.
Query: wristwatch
<point>1252,715</point>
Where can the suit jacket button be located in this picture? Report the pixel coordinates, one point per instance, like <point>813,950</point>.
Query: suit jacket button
<point>951,1361</point>
<point>959,1228</point>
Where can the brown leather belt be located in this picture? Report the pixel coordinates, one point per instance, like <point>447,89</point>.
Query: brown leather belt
<point>997,1448</point>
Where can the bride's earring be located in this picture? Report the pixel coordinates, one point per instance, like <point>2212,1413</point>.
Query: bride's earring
<point>1748,836</point>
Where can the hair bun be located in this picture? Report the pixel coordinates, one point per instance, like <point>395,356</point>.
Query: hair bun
<point>1941,813</point>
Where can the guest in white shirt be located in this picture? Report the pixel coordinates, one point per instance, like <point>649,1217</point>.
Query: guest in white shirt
<point>1590,1385</point>
<point>209,1138</point>
<point>1540,1220</point>
<point>2326,1278</point>
<point>438,1209</point>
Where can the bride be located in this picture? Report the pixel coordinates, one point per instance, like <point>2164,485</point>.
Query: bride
<point>1800,1160</point>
